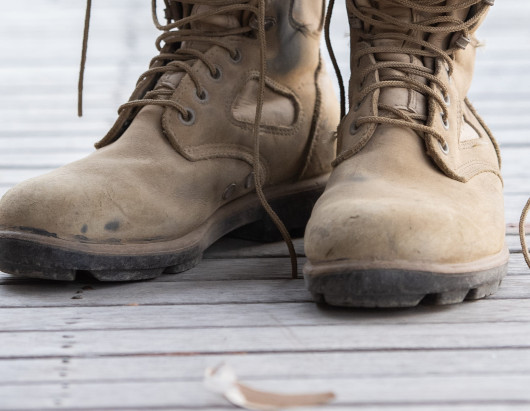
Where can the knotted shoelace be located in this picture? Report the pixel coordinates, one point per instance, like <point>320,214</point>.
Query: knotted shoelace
<point>174,59</point>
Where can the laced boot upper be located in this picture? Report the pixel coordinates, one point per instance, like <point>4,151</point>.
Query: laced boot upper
<point>417,177</point>
<point>236,99</point>
<point>412,67</point>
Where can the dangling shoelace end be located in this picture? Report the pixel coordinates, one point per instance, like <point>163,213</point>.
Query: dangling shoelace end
<point>256,132</point>
<point>83,60</point>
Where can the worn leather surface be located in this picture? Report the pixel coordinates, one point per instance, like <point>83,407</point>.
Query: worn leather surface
<point>160,178</point>
<point>395,196</point>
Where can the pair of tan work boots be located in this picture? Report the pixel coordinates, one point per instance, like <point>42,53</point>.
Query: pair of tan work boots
<point>238,112</point>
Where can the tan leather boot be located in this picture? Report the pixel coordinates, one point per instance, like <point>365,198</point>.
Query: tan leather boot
<point>175,172</point>
<point>414,208</point>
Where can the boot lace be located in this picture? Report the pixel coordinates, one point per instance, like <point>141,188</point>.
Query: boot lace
<point>172,58</point>
<point>441,20</point>
<point>522,233</point>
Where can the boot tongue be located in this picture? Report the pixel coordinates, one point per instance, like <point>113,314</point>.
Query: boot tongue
<point>400,98</point>
<point>210,24</point>
<point>217,22</point>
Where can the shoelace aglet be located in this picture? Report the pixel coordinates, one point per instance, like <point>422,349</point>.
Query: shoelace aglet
<point>83,60</point>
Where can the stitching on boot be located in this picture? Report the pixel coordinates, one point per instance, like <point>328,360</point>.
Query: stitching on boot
<point>311,142</point>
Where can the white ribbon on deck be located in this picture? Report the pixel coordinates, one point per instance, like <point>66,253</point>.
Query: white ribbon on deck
<point>223,380</point>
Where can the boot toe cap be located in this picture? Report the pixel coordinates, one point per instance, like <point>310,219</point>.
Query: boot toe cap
<point>44,205</point>
<point>410,228</point>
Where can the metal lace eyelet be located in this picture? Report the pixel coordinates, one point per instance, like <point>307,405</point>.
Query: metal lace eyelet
<point>353,127</point>
<point>236,58</point>
<point>445,121</point>
<point>269,23</point>
<point>203,96</point>
<point>249,181</point>
<point>189,119</point>
<point>447,99</point>
<point>444,147</point>
<point>462,41</point>
<point>229,191</point>
<point>217,74</point>
<point>449,78</point>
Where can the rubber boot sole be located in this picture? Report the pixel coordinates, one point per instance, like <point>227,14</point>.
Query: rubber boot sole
<point>38,254</point>
<point>352,284</point>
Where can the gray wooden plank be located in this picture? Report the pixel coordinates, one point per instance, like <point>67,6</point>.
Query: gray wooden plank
<point>28,144</point>
<point>89,318</point>
<point>169,289</point>
<point>513,243</point>
<point>350,392</point>
<point>158,368</point>
<point>54,159</point>
<point>321,338</point>
<point>158,293</point>
<point>513,205</point>
<point>11,176</point>
<point>517,265</point>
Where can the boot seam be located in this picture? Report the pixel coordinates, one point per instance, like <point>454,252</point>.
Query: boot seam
<point>310,146</point>
<point>302,28</point>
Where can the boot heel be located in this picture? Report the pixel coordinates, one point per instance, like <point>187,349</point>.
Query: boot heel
<point>294,210</point>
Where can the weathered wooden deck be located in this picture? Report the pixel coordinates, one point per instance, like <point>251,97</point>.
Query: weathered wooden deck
<point>144,346</point>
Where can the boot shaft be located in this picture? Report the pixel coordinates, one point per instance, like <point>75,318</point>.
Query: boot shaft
<point>213,49</point>
<point>446,26</point>
<point>412,66</point>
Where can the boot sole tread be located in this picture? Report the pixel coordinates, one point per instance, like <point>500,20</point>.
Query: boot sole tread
<point>397,288</point>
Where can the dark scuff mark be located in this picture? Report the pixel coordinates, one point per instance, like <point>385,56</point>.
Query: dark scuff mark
<point>84,229</point>
<point>112,225</point>
<point>38,231</point>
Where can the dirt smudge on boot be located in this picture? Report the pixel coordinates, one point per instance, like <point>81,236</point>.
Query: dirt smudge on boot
<point>112,225</point>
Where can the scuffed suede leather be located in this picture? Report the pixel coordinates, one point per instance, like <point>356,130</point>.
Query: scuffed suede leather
<point>159,178</point>
<point>396,197</point>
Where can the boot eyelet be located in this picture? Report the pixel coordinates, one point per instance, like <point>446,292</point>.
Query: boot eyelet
<point>445,121</point>
<point>190,117</point>
<point>229,191</point>
<point>203,96</point>
<point>353,127</point>
<point>449,78</point>
<point>236,58</point>
<point>249,181</point>
<point>217,74</point>
<point>444,147</point>
<point>447,99</point>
